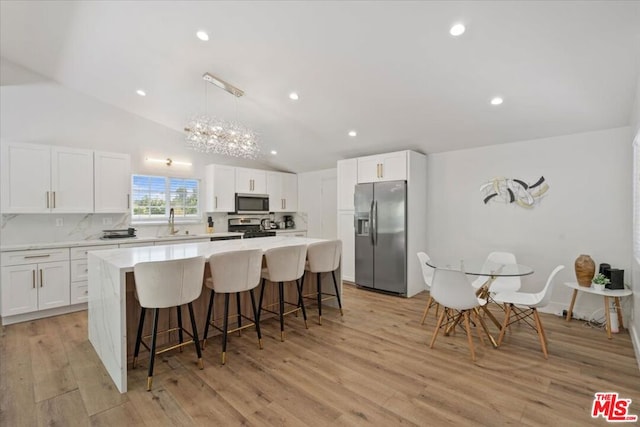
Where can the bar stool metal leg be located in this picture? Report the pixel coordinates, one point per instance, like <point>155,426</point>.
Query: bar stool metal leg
<point>335,285</point>
<point>208,320</point>
<point>319,280</point>
<point>225,328</point>
<point>180,336</point>
<point>239,311</point>
<point>261,296</point>
<point>301,302</point>
<point>152,353</point>
<point>256,320</point>
<point>281,294</point>
<point>194,330</point>
<point>138,337</point>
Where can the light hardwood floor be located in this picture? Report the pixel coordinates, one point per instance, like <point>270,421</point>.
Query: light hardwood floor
<point>373,366</point>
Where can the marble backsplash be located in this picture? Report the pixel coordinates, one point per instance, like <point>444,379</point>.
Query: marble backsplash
<point>16,229</point>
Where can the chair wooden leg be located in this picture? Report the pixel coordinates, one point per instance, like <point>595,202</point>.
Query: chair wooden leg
<point>152,353</point>
<point>335,286</point>
<point>426,310</point>
<point>208,320</point>
<point>256,320</point>
<point>225,328</point>
<point>136,351</point>
<point>435,332</point>
<point>476,321</point>
<point>540,333</point>
<point>194,331</point>
<point>467,326</point>
<point>505,323</point>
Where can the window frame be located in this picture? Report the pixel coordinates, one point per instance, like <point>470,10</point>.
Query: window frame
<point>196,218</point>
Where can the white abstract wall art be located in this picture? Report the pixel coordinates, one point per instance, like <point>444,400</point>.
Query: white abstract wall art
<point>511,190</point>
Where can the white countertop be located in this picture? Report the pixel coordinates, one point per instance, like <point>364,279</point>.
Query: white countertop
<point>125,258</point>
<point>98,242</point>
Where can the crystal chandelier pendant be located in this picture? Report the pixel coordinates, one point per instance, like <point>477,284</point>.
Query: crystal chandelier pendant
<point>211,135</point>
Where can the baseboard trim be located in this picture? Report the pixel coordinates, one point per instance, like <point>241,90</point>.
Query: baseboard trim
<point>26,317</point>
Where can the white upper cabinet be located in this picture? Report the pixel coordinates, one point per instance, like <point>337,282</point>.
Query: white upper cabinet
<point>383,167</point>
<point>71,180</point>
<point>347,180</point>
<point>251,181</point>
<point>112,182</point>
<point>220,187</point>
<point>26,178</point>
<point>42,178</point>
<point>282,189</point>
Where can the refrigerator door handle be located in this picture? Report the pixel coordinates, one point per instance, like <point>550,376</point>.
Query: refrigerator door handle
<point>374,220</point>
<point>372,224</point>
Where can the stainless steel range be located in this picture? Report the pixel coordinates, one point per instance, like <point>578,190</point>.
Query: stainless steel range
<point>250,227</point>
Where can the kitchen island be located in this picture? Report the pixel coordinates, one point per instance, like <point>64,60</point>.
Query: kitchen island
<point>112,306</point>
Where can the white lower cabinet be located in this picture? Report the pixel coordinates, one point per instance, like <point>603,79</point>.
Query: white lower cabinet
<point>29,286</point>
<point>79,291</point>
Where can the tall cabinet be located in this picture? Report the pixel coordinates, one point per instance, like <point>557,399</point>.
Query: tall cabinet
<point>406,166</point>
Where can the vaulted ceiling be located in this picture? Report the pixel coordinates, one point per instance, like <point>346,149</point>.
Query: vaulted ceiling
<point>388,69</point>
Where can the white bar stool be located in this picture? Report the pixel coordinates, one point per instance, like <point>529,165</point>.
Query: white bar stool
<point>284,264</point>
<point>163,284</point>
<point>324,257</point>
<point>234,273</point>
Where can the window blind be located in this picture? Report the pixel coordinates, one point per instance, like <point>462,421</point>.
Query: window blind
<point>154,196</point>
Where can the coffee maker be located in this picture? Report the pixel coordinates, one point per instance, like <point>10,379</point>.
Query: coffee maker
<point>288,221</point>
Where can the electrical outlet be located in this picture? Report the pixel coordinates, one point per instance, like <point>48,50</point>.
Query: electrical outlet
<point>106,221</point>
<point>59,222</point>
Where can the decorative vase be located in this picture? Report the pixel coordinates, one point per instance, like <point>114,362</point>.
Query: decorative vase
<point>585,270</point>
<point>598,286</point>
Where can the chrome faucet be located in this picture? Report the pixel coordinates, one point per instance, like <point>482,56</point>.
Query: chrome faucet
<point>172,219</point>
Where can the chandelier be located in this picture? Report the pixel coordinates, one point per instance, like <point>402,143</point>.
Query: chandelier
<point>212,135</point>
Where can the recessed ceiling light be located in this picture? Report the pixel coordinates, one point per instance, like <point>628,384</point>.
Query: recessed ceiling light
<point>496,101</point>
<point>202,35</point>
<point>457,30</point>
<point>274,152</point>
<point>353,133</point>
<point>141,92</point>
<point>294,96</point>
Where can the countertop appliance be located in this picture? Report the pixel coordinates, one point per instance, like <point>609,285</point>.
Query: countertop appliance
<point>247,203</point>
<point>119,234</point>
<point>265,224</point>
<point>251,227</point>
<point>288,221</point>
<point>381,236</point>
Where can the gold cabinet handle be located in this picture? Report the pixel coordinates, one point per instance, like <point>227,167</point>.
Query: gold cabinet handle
<point>37,256</point>
<point>41,279</point>
<point>215,202</point>
<point>33,278</point>
<point>128,201</point>
<point>381,170</point>
<point>47,196</point>
<point>54,199</point>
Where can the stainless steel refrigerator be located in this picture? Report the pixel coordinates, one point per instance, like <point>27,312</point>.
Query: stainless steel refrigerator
<point>381,236</point>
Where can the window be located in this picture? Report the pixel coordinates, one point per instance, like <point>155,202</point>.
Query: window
<point>154,196</point>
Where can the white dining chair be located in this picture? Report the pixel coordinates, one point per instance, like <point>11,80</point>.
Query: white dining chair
<point>427,275</point>
<point>164,284</point>
<point>523,305</point>
<point>499,284</point>
<point>453,291</point>
<point>233,273</point>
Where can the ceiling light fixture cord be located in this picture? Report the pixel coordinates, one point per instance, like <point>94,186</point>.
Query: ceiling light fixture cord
<point>212,135</point>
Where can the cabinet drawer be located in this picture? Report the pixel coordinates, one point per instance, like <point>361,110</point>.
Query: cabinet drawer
<point>81,251</point>
<point>79,270</point>
<point>34,256</point>
<point>79,292</point>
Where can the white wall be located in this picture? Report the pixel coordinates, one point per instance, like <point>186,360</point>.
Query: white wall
<point>635,329</point>
<point>317,202</point>
<point>35,109</point>
<point>587,209</point>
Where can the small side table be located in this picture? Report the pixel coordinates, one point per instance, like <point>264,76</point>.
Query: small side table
<point>614,293</point>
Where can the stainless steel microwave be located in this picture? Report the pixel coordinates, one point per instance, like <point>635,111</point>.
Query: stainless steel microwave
<point>252,203</point>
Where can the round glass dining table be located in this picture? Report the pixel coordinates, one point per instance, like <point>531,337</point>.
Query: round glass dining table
<point>484,268</point>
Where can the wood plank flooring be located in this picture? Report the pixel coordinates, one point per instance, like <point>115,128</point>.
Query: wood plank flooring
<point>373,366</point>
